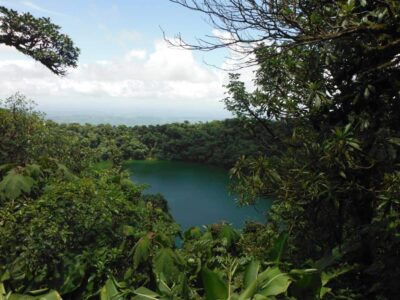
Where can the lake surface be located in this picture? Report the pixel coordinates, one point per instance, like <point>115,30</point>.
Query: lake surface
<point>197,194</point>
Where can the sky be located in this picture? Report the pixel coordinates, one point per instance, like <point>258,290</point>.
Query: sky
<point>126,69</point>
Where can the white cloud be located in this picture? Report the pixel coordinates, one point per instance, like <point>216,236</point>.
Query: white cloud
<point>164,74</point>
<point>136,54</point>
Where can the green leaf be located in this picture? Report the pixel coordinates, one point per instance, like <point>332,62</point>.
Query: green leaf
<point>274,282</point>
<point>251,273</point>
<point>166,262</point>
<point>250,281</point>
<point>163,287</point>
<point>51,295</point>
<point>142,251</point>
<point>214,286</point>
<point>279,247</point>
<point>14,184</point>
<point>145,294</point>
<point>110,291</point>
<point>394,140</point>
<point>324,291</point>
<point>328,276</point>
<point>250,291</point>
<point>259,297</point>
<point>347,128</point>
<point>183,288</point>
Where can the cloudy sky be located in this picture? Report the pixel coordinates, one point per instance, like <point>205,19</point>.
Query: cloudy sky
<point>125,68</point>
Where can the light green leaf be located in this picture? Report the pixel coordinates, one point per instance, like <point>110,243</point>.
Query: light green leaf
<point>324,291</point>
<point>274,282</point>
<point>52,295</point>
<point>14,184</point>
<point>214,286</point>
<point>250,291</point>
<point>251,273</point>
<point>260,297</point>
<point>110,291</point>
<point>145,294</point>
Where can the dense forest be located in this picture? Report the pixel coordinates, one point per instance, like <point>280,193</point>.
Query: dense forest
<point>319,135</point>
<point>219,142</point>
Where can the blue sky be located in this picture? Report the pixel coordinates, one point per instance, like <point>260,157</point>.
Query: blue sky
<point>125,66</point>
<point>105,29</point>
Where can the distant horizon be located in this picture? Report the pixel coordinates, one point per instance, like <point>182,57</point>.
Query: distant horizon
<point>114,120</point>
<point>125,66</point>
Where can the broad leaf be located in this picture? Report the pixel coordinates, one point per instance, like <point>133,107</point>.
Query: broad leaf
<point>214,286</point>
<point>274,282</point>
<point>142,251</point>
<point>52,295</point>
<point>110,291</point>
<point>251,273</point>
<point>166,262</point>
<point>145,294</point>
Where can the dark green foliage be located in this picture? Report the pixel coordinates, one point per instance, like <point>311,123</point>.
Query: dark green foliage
<point>334,79</point>
<point>19,127</point>
<point>74,228</point>
<point>218,142</point>
<point>329,70</point>
<point>38,38</point>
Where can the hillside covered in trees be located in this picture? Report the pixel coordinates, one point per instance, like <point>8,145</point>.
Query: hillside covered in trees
<point>319,135</point>
<point>219,143</point>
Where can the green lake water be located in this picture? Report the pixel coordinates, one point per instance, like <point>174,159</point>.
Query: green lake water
<point>197,194</point>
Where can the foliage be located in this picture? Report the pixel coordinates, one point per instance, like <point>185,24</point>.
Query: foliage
<point>328,70</point>
<point>218,142</point>
<point>43,294</point>
<point>238,278</point>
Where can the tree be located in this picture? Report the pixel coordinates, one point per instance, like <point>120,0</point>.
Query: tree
<point>329,70</point>
<point>20,128</point>
<point>39,38</point>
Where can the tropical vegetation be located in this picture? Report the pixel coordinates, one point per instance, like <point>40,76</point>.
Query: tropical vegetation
<point>319,135</point>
